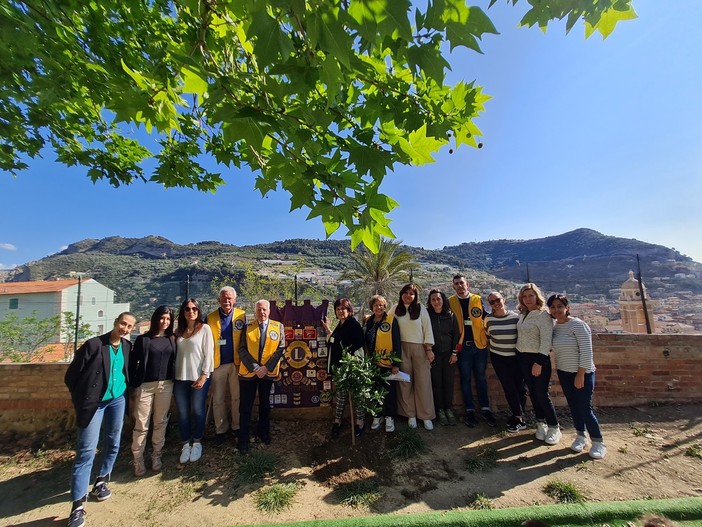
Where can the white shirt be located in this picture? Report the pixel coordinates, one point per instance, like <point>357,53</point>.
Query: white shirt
<point>195,355</point>
<point>415,331</point>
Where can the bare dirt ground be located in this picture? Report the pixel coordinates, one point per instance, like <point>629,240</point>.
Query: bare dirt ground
<point>653,452</point>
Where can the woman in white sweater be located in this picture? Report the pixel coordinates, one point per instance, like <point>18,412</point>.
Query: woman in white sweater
<point>572,349</point>
<point>193,366</point>
<point>534,333</point>
<point>416,399</point>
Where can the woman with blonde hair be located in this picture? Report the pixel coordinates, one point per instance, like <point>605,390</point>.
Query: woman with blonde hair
<point>534,334</point>
<point>382,337</point>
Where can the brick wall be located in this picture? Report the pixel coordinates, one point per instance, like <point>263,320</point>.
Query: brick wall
<point>631,370</point>
<point>634,369</point>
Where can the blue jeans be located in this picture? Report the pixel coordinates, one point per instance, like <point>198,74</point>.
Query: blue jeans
<point>111,415</point>
<point>472,362</point>
<point>192,410</point>
<point>580,403</point>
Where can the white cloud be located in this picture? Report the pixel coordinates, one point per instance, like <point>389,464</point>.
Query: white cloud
<point>8,247</point>
<point>5,267</point>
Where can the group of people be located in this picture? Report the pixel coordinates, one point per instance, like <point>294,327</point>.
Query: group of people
<point>220,351</point>
<point>429,342</point>
<point>225,353</point>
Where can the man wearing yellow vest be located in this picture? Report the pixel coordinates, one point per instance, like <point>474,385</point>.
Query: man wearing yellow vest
<point>227,325</point>
<point>472,359</point>
<point>261,349</point>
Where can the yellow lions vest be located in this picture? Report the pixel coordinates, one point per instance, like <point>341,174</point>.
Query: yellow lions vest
<point>215,323</point>
<point>475,309</point>
<point>383,342</point>
<point>274,333</point>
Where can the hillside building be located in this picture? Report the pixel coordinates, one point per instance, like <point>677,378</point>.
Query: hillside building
<point>631,307</point>
<point>46,298</point>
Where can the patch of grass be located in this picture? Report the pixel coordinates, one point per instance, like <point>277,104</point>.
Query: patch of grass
<point>694,451</point>
<point>256,465</point>
<point>359,494</point>
<point>564,492</point>
<point>276,497</point>
<point>182,491</point>
<point>485,459</point>
<point>480,502</point>
<point>641,431</point>
<point>408,443</point>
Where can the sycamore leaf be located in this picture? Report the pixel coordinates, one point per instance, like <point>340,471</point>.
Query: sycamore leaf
<point>193,82</point>
<point>608,21</point>
<point>429,60</point>
<point>419,147</point>
<point>369,159</point>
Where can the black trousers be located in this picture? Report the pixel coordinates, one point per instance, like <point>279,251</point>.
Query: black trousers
<point>248,388</point>
<point>510,376</point>
<point>538,387</point>
<point>442,375</point>
<point>390,402</point>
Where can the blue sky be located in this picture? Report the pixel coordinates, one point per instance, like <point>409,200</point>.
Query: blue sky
<point>579,133</point>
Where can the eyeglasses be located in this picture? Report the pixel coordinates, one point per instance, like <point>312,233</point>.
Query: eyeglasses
<point>191,309</point>
<point>495,301</point>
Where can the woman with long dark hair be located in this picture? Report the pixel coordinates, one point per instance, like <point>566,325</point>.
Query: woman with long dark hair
<point>447,333</point>
<point>347,337</point>
<point>572,349</point>
<point>416,399</point>
<point>151,372</point>
<point>193,366</point>
<point>534,333</point>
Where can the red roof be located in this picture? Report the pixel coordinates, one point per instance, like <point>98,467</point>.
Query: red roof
<point>36,286</point>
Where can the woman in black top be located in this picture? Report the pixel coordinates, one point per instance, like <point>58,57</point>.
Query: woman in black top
<point>447,333</point>
<point>347,337</point>
<point>151,373</point>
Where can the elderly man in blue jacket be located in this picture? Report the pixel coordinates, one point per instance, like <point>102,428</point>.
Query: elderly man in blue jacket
<point>97,379</point>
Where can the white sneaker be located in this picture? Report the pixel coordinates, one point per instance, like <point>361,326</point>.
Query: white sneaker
<point>579,444</point>
<point>428,424</point>
<point>376,423</point>
<point>412,422</point>
<point>389,424</point>
<point>598,451</point>
<point>196,452</point>
<point>553,436</point>
<point>541,430</point>
<point>185,453</point>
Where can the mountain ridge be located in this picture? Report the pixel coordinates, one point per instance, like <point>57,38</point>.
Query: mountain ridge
<point>583,261</point>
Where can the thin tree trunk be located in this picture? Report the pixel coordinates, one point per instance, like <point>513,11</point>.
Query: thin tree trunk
<point>353,421</point>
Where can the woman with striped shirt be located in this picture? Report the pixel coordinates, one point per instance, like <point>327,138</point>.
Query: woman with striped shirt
<point>572,348</point>
<point>501,330</point>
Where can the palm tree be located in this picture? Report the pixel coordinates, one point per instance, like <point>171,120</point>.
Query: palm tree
<point>381,273</point>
